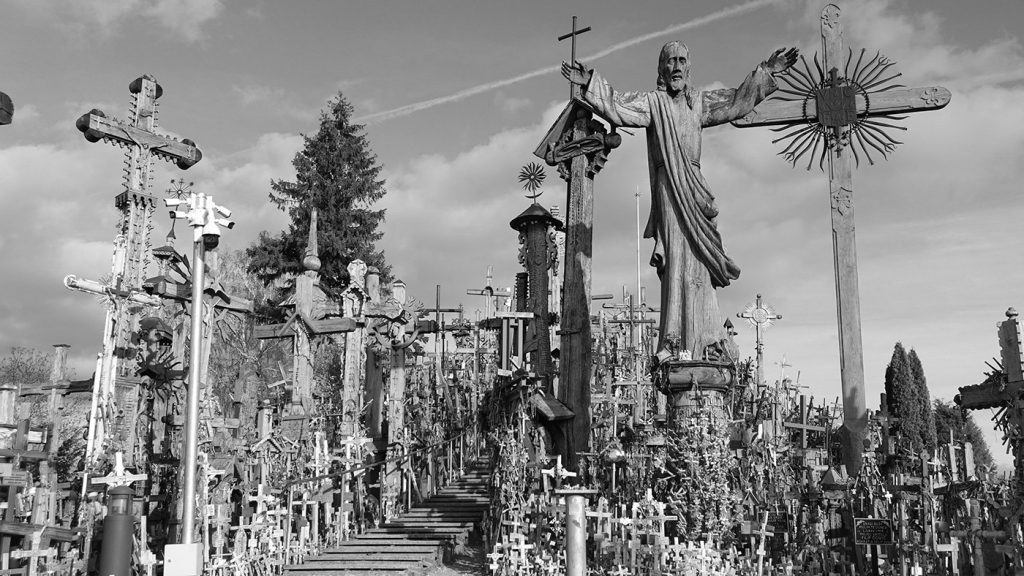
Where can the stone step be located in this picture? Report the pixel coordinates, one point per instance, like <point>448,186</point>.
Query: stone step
<point>390,566</point>
<point>376,556</point>
<point>467,516</point>
<point>428,523</point>
<point>384,547</point>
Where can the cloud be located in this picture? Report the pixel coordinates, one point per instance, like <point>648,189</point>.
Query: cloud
<point>59,222</point>
<point>721,14</point>
<point>511,104</point>
<point>89,18</point>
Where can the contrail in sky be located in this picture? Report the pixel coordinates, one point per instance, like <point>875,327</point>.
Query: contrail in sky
<point>481,88</point>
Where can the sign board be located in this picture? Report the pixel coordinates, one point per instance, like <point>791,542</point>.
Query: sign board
<point>16,478</point>
<point>872,531</point>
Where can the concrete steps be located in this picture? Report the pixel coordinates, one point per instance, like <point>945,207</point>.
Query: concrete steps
<point>419,539</point>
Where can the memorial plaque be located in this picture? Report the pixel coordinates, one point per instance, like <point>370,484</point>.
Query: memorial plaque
<point>872,531</point>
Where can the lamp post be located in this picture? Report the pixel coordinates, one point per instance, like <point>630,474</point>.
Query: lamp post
<point>205,217</point>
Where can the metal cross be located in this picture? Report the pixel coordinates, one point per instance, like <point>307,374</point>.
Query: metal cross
<point>572,37</point>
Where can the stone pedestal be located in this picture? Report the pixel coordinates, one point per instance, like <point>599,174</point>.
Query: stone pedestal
<point>695,388</point>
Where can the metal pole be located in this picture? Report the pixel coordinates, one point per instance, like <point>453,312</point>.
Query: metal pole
<point>192,417</point>
<point>637,327</point>
<point>575,530</point>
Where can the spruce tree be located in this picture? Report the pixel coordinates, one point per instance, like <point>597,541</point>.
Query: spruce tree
<point>923,399</point>
<point>336,172</point>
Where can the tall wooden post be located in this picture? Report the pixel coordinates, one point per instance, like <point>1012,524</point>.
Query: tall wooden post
<point>849,103</point>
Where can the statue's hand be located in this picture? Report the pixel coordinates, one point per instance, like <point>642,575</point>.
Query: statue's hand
<point>781,60</point>
<point>576,73</point>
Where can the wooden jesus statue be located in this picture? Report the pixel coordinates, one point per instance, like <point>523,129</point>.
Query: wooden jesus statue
<point>688,251</point>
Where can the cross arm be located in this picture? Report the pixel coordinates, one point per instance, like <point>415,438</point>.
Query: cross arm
<point>775,111</point>
<point>96,126</point>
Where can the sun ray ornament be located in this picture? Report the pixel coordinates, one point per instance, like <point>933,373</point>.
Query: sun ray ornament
<point>838,111</point>
<point>532,177</point>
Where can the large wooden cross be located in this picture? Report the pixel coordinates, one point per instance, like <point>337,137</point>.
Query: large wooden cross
<point>132,245</point>
<point>843,110</point>
<point>578,144</point>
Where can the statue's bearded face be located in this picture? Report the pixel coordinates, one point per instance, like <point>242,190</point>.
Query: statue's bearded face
<point>674,67</point>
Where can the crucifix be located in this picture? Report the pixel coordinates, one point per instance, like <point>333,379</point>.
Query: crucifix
<point>760,315</point>
<point>578,145</point>
<point>839,107</point>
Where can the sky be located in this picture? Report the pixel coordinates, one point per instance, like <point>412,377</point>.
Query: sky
<point>456,95</point>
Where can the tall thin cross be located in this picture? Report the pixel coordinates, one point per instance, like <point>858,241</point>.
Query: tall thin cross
<point>846,113</point>
<point>760,315</point>
<point>571,36</point>
<point>132,246</point>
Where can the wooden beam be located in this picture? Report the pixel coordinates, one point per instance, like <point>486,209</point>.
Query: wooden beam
<point>776,112</point>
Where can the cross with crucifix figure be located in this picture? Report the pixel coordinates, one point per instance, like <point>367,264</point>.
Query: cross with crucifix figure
<point>843,107</point>
<point>6,109</point>
<point>578,145</point>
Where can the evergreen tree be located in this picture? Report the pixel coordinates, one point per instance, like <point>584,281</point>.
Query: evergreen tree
<point>337,173</point>
<point>949,417</point>
<point>923,399</point>
<point>900,394</point>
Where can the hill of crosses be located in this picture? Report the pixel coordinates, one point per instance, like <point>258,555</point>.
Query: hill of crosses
<point>328,423</point>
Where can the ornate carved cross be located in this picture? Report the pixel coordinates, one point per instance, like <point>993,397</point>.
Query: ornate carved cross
<point>843,110</point>
<point>760,315</point>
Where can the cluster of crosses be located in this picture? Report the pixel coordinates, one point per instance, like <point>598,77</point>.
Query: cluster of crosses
<point>599,464</point>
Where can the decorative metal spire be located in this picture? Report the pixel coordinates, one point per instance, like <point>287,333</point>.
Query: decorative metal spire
<point>311,259</point>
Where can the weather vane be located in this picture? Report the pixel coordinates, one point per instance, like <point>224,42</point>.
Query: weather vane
<point>531,177</point>
<point>179,189</point>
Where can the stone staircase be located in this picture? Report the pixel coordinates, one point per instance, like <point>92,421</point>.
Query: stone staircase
<point>425,536</point>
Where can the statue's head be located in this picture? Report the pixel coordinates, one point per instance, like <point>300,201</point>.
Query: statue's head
<point>674,67</point>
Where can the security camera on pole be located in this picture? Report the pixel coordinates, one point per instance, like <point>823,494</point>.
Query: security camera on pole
<point>206,218</point>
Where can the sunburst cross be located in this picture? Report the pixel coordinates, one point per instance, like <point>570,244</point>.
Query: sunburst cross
<point>838,111</point>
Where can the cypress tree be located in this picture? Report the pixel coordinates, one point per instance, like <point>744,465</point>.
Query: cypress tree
<point>923,399</point>
<point>900,392</point>
<point>336,172</point>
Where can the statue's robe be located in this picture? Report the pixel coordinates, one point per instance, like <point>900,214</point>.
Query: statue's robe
<point>688,251</point>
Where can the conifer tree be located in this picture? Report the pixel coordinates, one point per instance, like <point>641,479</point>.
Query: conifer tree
<point>949,417</point>
<point>900,392</point>
<point>336,172</point>
<point>922,398</point>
